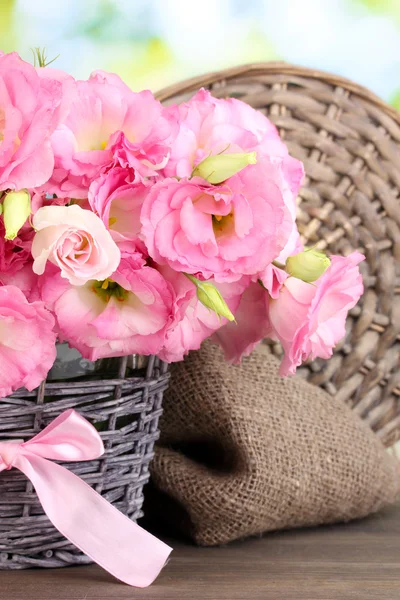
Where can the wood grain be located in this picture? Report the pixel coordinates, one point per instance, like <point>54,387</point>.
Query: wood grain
<point>360,560</point>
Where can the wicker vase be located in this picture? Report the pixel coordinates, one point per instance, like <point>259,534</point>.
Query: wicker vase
<point>122,399</point>
<point>349,141</point>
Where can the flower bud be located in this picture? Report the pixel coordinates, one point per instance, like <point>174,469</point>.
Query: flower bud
<point>219,167</point>
<point>16,210</point>
<point>211,298</point>
<point>308,265</point>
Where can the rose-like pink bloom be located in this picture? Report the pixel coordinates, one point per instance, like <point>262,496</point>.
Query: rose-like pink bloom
<point>118,199</point>
<point>76,240</point>
<point>27,341</point>
<point>309,319</point>
<point>127,315</point>
<point>224,231</point>
<point>29,113</point>
<point>109,125</point>
<point>252,325</point>
<point>209,125</point>
<point>193,322</point>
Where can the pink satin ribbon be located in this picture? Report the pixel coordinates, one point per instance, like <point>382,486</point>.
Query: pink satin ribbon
<point>86,519</point>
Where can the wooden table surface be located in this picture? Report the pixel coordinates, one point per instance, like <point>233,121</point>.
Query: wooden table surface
<point>360,560</point>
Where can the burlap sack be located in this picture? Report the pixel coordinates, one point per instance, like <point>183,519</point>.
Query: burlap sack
<point>243,452</point>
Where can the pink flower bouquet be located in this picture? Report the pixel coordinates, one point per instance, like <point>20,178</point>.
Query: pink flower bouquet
<point>127,227</point>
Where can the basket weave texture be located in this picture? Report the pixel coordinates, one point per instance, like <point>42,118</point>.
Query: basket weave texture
<point>125,410</point>
<point>349,141</point>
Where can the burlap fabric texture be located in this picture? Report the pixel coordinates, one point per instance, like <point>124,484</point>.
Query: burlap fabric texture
<point>244,451</point>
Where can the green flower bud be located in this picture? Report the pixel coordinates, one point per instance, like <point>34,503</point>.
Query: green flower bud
<point>16,210</point>
<point>217,168</point>
<point>211,297</point>
<point>308,265</point>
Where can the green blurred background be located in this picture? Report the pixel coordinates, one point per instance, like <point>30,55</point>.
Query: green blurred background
<point>152,43</point>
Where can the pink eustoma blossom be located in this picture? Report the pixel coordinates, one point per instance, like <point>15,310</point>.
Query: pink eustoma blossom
<point>29,113</point>
<point>224,231</point>
<point>309,319</point>
<point>76,241</point>
<point>209,125</point>
<point>27,341</point>
<point>126,315</point>
<point>109,125</point>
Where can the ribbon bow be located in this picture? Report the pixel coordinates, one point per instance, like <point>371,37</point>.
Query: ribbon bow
<point>86,519</point>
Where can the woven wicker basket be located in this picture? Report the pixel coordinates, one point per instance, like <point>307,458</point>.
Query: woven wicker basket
<point>349,141</point>
<point>125,409</point>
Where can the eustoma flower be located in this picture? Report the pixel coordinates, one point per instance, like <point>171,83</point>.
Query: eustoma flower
<point>76,240</point>
<point>210,126</point>
<point>109,125</point>
<point>29,113</point>
<point>126,314</point>
<point>309,319</point>
<point>225,231</point>
<point>27,341</point>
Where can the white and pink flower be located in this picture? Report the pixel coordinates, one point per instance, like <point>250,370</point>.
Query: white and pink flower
<point>76,241</point>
